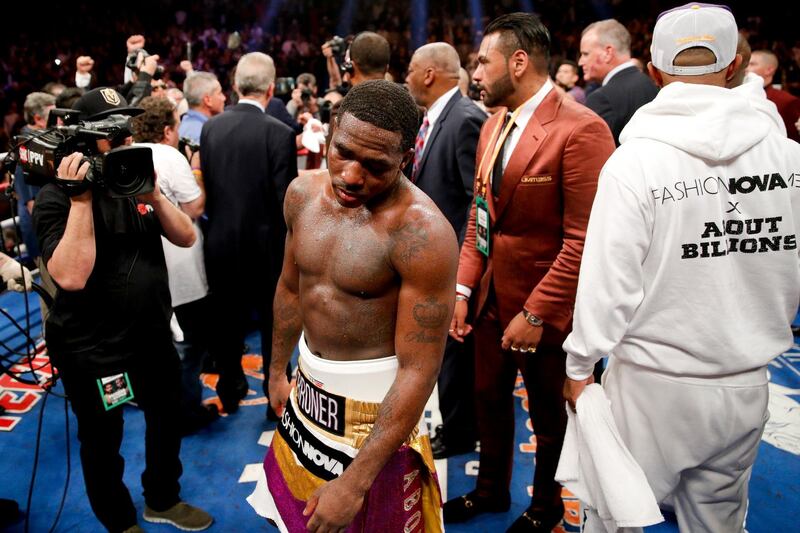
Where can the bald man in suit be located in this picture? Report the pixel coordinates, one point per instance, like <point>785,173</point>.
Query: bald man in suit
<point>444,168</point>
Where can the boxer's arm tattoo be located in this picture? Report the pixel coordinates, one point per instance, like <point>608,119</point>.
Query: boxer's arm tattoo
<point>409,240</point>
<point>429,315</point>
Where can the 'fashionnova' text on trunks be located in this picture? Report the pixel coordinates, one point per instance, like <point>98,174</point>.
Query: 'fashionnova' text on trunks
<point>317,457</point>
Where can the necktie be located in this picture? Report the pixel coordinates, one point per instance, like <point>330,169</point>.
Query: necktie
<point>419,147</point>
<point>497,169</point>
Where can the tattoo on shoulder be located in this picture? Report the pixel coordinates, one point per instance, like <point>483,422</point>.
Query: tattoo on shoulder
<point>409,239</point>
<point>297,197</point>
<point>431,316</point>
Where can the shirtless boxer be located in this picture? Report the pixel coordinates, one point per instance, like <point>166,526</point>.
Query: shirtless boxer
<point>368,278</point>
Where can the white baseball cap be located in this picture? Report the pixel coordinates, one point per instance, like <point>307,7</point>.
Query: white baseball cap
<point>694,25</point>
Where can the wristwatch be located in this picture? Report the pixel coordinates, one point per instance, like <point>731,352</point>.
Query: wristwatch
<point>532,319</point>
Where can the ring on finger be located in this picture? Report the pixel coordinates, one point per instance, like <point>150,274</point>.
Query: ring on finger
<point>531,349</point>
<point>515,348</point>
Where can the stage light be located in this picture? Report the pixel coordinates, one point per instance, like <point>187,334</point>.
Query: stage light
<point>419,23</point>
<point>271,16</point>
<point>476,14</point>
<point>343,29</point>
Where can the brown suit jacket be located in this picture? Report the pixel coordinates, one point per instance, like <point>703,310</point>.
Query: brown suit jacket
<point>538,222</point>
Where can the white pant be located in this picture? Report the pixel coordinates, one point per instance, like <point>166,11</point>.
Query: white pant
<point>696,442</point>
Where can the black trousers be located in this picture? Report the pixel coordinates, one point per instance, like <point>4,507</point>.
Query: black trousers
<point>239,307</point>
<point>155,379</point>
<point>197,321</point>
<point>457,392</point>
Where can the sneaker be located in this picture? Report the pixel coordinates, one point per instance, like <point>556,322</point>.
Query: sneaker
<point>181,515</point>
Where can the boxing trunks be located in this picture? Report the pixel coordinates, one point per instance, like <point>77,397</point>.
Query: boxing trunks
<point>330,413</point>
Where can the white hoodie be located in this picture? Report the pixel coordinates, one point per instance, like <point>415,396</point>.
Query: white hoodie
<point>691,261</point>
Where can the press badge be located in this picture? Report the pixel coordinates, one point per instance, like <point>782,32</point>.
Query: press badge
<point>115,390</point>
<point>482,225</point>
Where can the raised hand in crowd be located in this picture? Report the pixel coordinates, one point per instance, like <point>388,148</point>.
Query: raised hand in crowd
<point>135,42</point>
<point>84,64</point>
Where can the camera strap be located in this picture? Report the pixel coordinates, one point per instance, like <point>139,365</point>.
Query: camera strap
<point>73,187</point>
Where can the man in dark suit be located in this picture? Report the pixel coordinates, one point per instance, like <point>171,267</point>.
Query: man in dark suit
<point>606,59</point>
<point>248,160</point>
<point>444,168</point>
<point>539,157</point>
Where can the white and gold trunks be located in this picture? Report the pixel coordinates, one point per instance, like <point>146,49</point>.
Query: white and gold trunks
<point>330,413</point>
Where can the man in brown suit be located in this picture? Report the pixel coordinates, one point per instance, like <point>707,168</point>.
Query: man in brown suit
<point>538,161</point>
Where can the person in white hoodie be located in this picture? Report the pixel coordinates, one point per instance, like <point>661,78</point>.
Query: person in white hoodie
<point>690,276</point>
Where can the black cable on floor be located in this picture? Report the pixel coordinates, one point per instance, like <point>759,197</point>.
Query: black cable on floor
<point>35,464</point>
<point>69,468</point>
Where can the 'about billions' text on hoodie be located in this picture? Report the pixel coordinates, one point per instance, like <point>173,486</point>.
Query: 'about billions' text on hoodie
<point>691,260</point>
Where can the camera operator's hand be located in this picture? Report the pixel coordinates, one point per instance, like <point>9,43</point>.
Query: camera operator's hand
<point>84,64</point>
<point>17,277</point>
<point>71,167</point>
<point>149,65</point>
<point>186,66</point>
<point>135,42</point>
<point>153,197</point>
<point>327,51</point>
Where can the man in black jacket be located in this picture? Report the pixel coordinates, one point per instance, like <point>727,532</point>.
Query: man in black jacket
<point>444,168</point>
<point>248,160</point>
<point>606,59</point>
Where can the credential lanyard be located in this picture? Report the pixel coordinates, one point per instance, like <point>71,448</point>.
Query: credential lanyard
<point>482,223</point>
<point>495,149</point>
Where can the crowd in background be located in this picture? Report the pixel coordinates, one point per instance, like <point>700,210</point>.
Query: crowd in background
<point>223,203</point>
<point>293,32</point>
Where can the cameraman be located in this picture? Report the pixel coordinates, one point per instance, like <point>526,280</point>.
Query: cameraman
<point>304,97</point>
<point>367,58</point>
<point>111,320</point>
